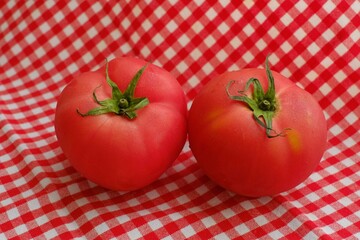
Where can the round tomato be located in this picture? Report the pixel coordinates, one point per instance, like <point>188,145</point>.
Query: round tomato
<point>256,142</point>
<point>123,125</point>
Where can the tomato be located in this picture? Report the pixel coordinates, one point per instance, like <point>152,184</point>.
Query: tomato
<point>123,125</point>
<point>256,142</point>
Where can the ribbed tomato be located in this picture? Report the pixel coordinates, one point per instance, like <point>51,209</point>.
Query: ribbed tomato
<point>123,125</point>
<point>256,142</point>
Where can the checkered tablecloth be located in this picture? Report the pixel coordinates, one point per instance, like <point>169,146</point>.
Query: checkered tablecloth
<point>44,44</point>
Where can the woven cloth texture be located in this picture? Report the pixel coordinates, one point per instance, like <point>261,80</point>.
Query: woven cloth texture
<point>44,44</point>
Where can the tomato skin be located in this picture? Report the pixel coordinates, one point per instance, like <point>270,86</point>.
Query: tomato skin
<point>114,151</point>
<point>233,149</point>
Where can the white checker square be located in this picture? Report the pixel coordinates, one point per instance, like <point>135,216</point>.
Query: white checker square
<point>330,189</point>
<point>273,32</point>
<point>146,25</point>
<point>236,15</point>
<point>182,67</point>
<point>350,142</point>
<point>133,202</point>
<point>49,4</point>
<point>345,201</point>
<point>175,216</point>
<point>294,224</point>
<point>208,222</point>
<point>19,182</point>
<point>313,48</point>
<point>34,204</point>
<point>135,37</point>
<point>69,30</point>
<point>248,57</point>
<point>83,18</point>
<point>8,37</point>
<point>223,28</point>
<point>125,48</point>
<point>242,229</point>
<point>300,34</point>
<point>221,55</point>
<point>12,213</point>
<point>158,39</point>
<point>351,118</point>
<point>197,27</point>
<point>249,30</point>
<point>336,130</point>
<point>41,220</point>
<point>196,54</point>
<point>228,213</point>
<point>211,14</point>
<point>115,34</point>
<point>325,88</point>
<point>286,19</point>
<point>260,220</point>
<point>25,62</point>
<point>314,20</point>
<point>159,12</point>
<point>344,222</point>
<point>260,44</point>
<point>222,236</point>
<point>30,38</point>
<point>73,5</point>
<point>20,229</point>
<point>235,42</point>
<point>286,47</point>
<point>328,35</point>
<point>301,6</point>
<point>12,169</point>
<point>341,49</point>
<point>184,40</point>
<point>59,16</point>
<point>123,219</point>
<point>171,26</point>
<point>338,103</point>
<point>136,11</point>
<point>326,62</point>
<point>208,68</point>
<point>170,53</point>
<point>10,72</point>
<point>343,20</point>
<point>185,13</point>
<point>155,224</point>
<point>125,23</point>
<point>134,234</point>
<point>276,234</point>
<point>188,231</point>
<point>299,61</point>
<point>16,49</point>
<point>353,90</point>
<point>44,27</point>
<point>183,199</point>
<point>35,14</point>
<point>329,6</point>
<point>92,32</point>
<point>355,64</point>
<point>209,41</point>
<point>260,17</point>
<point>153,194</point>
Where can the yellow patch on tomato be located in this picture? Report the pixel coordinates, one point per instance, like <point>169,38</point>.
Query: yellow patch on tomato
<point>294,140</point>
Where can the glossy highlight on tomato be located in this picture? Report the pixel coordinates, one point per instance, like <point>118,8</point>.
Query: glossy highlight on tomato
<point>255,132</point>
<point>122,125</point>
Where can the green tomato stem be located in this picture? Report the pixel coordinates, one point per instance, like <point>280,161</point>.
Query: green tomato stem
<point>123,104</point>
<point>263,104</point>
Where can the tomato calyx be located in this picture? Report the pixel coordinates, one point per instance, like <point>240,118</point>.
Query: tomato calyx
<point>263,104</point>
<point>123,104</point>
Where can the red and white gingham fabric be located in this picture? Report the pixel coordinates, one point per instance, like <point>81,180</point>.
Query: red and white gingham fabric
<point>44,44</point>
